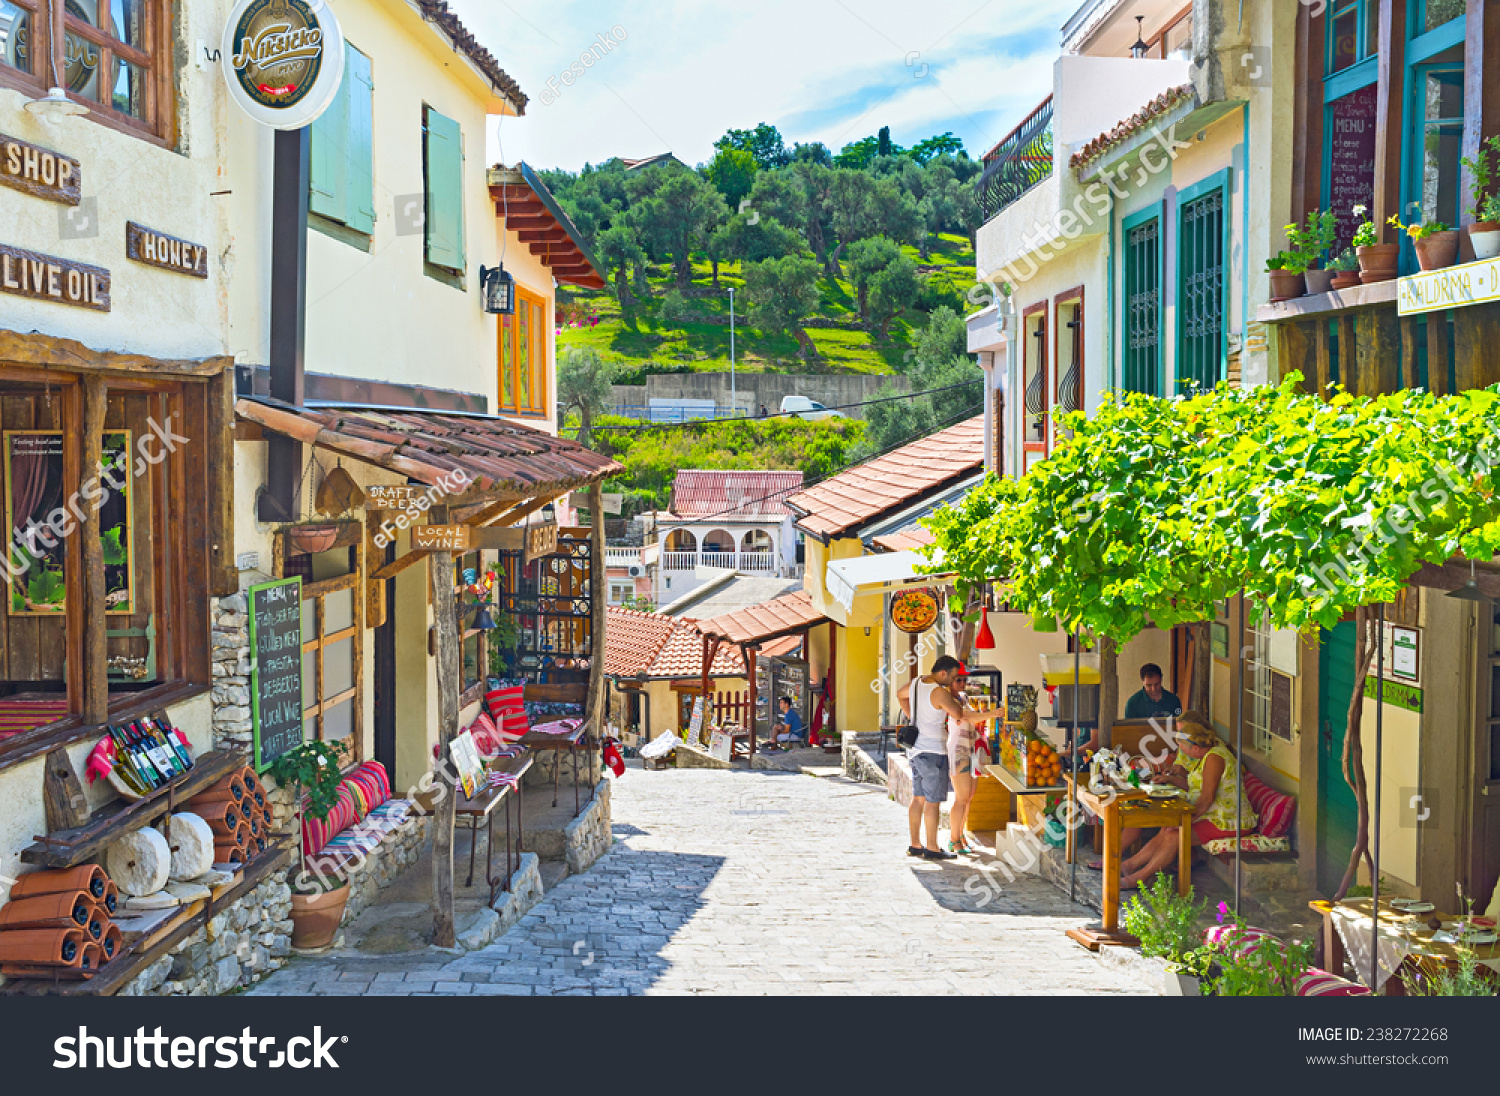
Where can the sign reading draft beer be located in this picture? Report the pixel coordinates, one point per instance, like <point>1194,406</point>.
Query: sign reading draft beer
<point>283,60</point>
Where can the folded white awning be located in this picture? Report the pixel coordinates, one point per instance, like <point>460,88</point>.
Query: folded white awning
<point>883,573</point>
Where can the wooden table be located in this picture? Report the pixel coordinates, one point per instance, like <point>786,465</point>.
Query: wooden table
<point>1434,957</point>
<point>1139,810</point>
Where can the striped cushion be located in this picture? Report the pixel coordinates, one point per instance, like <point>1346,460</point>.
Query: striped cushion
<point>316,833</point>
<point>1250,842</point>
<point>1237,939</point>
<point>1273,808</point>
<point>1319,983</point>
<point>513,725</point>
<point>504,699</point>
<point>360,797</point>
<point>486,735</point>
<point>371,777</point>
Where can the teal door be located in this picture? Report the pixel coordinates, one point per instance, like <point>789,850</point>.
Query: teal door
<point>1338,814</point>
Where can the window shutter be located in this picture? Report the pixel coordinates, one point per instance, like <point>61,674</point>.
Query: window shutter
<point>445,170</point>
<point>330,159</point>
<point>360,83</point>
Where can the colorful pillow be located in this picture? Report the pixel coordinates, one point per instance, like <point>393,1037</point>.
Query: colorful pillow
<point>504,699</point>
<point>1273,808</point>
<point>1319,983</point>
<point>316,833</point>
<point>513,726</point>
<point>1250,842</point>
<point>371,777</point>
<point>357,794</point>
<point>486,735</point>
<point>1238,939</point>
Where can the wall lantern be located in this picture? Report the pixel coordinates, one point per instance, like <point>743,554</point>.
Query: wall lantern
<point>1139,49</point>
<point>499,290</point>
<point>1469,591</point>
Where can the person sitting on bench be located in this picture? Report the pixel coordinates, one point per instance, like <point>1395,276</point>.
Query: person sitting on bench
<point>788,726</point>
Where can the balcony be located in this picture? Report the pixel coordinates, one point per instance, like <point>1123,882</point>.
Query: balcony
<point>750,563</point>
<point>621,557</point>
<point>1021,160</point>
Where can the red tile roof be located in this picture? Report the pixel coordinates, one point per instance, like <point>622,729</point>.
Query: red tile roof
<point>1138,121</point>
<point>649,645</point>
<point>436,11</point>
<point>783,616</point>
<point>727,493</point>
<point>904,540</point>
<point>900,478</point>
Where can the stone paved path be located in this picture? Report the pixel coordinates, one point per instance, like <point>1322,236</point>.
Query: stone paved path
<point>753,883</point>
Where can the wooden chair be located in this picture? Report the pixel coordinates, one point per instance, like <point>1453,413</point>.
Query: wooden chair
<point>569,693</point>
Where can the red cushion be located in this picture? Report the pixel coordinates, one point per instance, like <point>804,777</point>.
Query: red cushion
<point>316,833</point>
<point>486,735</point>
<point>501,701</point>
<point>1274,809</point>
<point>1240,940</point>
<point>514,725</point>
<point>1319,983</point>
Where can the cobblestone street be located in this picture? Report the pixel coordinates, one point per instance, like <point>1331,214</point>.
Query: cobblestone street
<point>752,883</point>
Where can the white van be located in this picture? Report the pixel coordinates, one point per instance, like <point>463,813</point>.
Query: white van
<point>805,408</point>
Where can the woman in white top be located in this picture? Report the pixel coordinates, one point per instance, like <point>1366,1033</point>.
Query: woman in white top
<point>961,735</point>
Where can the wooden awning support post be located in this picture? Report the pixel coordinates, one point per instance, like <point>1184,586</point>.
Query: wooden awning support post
<point>597,603</point>
<point>833,655</point>
<point>445,626</point>
<point>749,654</point>
<point>95,642</point>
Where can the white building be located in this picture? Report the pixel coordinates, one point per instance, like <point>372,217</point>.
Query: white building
<point>725,521</point>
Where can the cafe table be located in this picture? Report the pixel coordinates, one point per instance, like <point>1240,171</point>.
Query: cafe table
<point>1404,940</point>
<point>1117,811</point>
<point>482,807</point>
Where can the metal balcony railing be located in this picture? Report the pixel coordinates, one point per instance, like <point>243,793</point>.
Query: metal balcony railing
<point>754,563</point>
<point>1021,160</point>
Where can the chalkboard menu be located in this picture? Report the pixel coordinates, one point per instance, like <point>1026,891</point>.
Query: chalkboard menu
<point>1351,161</point>
<point>275,668</point>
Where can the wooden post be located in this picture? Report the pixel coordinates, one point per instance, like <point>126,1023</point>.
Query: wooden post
<point>749,653</point>
<point>1109,688</point>
<point>598,590</point>
<point>445,626</point>
<point>1391,66</point>
<point>95,623</point>
<point>833,662</point>
<point>1438,341</point>
<point>1481,92</point>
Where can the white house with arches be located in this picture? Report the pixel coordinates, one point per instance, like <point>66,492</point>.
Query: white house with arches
<point>725,521</point>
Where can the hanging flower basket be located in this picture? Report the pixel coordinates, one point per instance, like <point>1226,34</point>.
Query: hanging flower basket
<point>314,538</point>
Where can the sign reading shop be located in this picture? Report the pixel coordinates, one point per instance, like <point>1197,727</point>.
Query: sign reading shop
<point>283,60</point>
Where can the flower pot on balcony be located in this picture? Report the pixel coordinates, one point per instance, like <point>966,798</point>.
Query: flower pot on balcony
<point>1285,285</point>
<point>1485,237</point>
<point>1345,279</point>
<point>1318,281</point>
<point>1437,251</point>
<point>1377,262</point>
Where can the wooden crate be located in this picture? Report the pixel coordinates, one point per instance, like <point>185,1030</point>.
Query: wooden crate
<point>990,807</point>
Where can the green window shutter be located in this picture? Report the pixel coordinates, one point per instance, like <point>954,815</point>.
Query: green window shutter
<point>361,90</point>
<point>1141,346</point>
<point>445,176</point>
<point>330,159</point>
<point>1202,274</point>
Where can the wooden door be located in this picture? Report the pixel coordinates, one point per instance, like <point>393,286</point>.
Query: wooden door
<point>1484,868</point>
<point>1338,813</point>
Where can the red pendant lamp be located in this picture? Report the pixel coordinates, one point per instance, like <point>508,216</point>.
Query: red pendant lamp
<point>985,641</point>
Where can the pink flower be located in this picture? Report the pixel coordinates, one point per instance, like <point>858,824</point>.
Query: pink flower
<point>1223,911</point>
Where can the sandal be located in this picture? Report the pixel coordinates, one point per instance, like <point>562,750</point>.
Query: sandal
<point>1095,865</point>
<point>938,854</point>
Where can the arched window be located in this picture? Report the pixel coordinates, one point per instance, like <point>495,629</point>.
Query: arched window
<point>681,540</point>
<point>719,540</point>
<point>757,540</point>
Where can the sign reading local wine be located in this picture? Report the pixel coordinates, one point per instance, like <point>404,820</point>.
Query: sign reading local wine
<point>50,278</point>
<point>153,248</point>
<point>283,60</point>
<point>441,538</point>
<point>275,668</point>
<point>40,172</point>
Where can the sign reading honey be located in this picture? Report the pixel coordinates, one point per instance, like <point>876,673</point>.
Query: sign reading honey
<point>153,248</point>
<point>49,278</point>
<point>40,172</point>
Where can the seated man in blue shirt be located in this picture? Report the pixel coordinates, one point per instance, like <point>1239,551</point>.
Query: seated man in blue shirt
<point>788,726</point>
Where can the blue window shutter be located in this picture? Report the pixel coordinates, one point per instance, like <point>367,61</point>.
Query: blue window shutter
<point>445,175</point>
<point>361,84</point>
<point>330,159</point>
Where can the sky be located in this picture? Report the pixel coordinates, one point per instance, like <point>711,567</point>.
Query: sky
<point>680,73</point>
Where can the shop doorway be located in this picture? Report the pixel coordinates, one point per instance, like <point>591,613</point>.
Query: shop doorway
<point>1338,813</point>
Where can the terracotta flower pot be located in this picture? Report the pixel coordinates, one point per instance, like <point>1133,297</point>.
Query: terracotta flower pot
<point>1377,262</point>
<point>51,947</point>
<point>316,917</point>
<point>113,942</point>
<point>1285,285</point>
<point>85,877</point>
<point>65,909</point>
<point>1318,281</point>
<point>1437,251</point>
<point>1345,279</point>
<point>111,899</point>
<point>224,817</point>
<point>242,837</point>
<point>314,538</point>
<point>1484,236</point>
<point>230,789</point>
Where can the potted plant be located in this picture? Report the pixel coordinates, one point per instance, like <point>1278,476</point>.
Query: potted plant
<point>1436,244</point>
<point>1377,261</point>
<point>1484,233</point>
<point>1311,242</point>
<point>312,769</point>
<point>1166,924</point>
<point>1286,269</point>
<point>1344,270</point>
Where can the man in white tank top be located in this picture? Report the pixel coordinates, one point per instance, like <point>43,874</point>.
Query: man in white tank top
<point>929,703</point>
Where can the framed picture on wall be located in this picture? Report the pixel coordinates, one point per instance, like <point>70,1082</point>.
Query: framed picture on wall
<point>43,516</point>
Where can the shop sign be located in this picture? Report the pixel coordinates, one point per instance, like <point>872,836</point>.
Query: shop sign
<point>275,668</point>
<point>914,611</point>
<point>40,172</point>
<point>541,540</point>
<point>153,248</point>
<point>399,497</point>
<point>1396,694</point>
<point>441,538</point>
<point>1451,287</point>
<point>49,278</point>
<point>283,60</point>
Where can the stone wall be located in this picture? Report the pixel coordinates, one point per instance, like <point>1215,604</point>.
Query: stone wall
<point>859,762</point>
<point>231,673</point>
<point>379,870</point>
<point>756,389</point>
<point>589,836</point>
<point>236,948</point>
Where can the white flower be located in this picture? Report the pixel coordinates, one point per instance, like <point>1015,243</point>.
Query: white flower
<point>1360,211</point>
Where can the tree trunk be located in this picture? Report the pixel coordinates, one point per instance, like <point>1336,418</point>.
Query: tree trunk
<point>805,344</point>
<point>1109,687</point>
<point>715,263</point>
<point>1354,754</point>
<point>684,271</point>
<point>445,625</point>
<point>622,286</point>
<point>1202,668</point>
<point>864,302</point>
<point>833,260</point>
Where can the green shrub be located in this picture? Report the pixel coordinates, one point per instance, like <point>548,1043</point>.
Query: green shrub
<point>1165,922</point>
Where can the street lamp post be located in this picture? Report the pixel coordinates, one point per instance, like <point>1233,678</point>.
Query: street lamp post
<point>734,402</point>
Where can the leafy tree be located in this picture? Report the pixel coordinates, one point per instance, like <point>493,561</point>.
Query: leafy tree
<point>619,248</point>
<point>732,171</point>
<point>944,337</point>
<point>867,258</point>
<point>816,184</point>
<point>583,385</point>
<point>678,216</point>
<point>942,144</point>
<point>883,146</point>
<point>815,152</point>
<point>783,292</point>
<point>765,239</point>
<point>674,307</point>
<point>779,194</point>
<point>764,143</point>
<point>858,154</point>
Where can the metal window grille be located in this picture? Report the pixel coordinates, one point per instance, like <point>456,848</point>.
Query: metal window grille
<point>1142,349</point>
<point>1021,160</point>
<point>553,606</point>
<point>1258,677</point>
<point>1200,298</point>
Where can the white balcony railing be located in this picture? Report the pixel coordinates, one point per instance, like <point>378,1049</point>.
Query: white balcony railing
<point>679,561</point>
<point>716,559</point>
<point>621,557</point>
<point>758,563</point>
<point>755,563</point>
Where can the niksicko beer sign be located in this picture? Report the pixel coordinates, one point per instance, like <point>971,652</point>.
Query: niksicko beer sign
<point>283,60</point>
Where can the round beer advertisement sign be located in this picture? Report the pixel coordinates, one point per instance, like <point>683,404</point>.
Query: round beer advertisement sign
<point>283,60</point>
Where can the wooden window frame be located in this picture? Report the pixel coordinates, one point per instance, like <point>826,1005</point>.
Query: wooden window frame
<point>1067,296</point>
<point>316,593</point>
<point>1032,345</point>
<point>508,330</point>
<point>159,126</point>
<point>1157,43</point>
